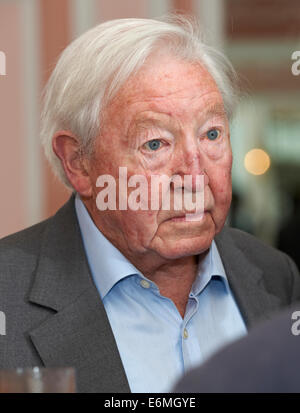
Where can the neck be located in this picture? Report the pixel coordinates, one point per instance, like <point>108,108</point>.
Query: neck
<point>174,278</point>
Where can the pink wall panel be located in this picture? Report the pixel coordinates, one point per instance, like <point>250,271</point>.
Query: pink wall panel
<point>184,6</point>
<point>115,9</point>
<point>55,36</point>
<point>12,162</point>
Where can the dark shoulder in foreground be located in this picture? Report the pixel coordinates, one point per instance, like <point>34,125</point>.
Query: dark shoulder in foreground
<point>266,360</point>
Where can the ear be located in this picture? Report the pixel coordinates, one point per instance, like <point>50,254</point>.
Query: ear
<point>67,149</point>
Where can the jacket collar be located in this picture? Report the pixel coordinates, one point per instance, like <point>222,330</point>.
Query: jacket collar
<point>245,280</point>
<point>78,334</point>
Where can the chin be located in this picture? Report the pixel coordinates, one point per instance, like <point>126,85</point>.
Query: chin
<point>185,247</point>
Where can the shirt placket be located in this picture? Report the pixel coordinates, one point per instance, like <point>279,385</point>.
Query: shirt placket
<point>189,341</point>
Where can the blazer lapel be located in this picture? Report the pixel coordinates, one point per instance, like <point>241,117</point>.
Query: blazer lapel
<point>246,281</point>
<point>77,333</point>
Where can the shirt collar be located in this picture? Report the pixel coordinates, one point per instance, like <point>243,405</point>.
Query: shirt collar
<point>210,267</point>
<point>109,266</point>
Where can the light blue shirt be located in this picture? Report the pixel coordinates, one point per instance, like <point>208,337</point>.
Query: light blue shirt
<point>155,344</point>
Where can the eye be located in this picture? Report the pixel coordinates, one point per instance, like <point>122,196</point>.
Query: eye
<point>213,134</point>
<point>153,145</point>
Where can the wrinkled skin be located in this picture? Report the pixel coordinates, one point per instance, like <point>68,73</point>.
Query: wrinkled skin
<point>176,102</point>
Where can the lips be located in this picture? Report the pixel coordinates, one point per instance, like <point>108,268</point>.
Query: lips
<point>179,218</point>
<point>188,216</point>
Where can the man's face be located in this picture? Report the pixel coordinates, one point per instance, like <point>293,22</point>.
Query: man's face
<point>169,120</point>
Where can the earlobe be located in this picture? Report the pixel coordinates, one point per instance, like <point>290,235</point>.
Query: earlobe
<point>67,149</point>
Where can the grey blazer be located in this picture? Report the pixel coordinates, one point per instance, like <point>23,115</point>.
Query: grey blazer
<point>54,314</point>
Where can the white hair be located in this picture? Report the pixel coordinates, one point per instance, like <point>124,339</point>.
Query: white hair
<point>91,70</point>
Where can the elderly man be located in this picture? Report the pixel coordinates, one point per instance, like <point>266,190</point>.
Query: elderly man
<point>133,297</point>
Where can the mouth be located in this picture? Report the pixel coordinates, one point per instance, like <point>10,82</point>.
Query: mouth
<point>188,217</point>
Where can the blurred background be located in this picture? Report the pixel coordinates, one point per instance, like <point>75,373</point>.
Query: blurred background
<point>258,36</point>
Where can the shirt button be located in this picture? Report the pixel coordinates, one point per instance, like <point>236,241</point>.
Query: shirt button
<point>145,284</point>
<point>185,333</point>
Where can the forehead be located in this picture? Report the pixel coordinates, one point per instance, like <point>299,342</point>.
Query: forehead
<point>165,85</point>
<point>166,77</point>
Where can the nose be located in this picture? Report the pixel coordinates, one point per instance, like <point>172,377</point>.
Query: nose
<point>190,162</point>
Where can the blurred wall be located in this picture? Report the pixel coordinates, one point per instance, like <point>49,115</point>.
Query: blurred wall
<point>32,35</point>
<point>259,37</point>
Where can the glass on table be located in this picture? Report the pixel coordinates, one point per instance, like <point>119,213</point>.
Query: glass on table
<point>38,380</point>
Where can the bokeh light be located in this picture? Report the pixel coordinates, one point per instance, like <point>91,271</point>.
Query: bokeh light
<point>257,161</point>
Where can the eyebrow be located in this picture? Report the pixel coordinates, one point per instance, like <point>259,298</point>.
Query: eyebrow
<point>216,109</point>
<point>152,119</point>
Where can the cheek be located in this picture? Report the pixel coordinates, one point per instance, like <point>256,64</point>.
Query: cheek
<point>216,151</point>
<point>220,182</point>
<point>221,189</point>
<point>138,227</point>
